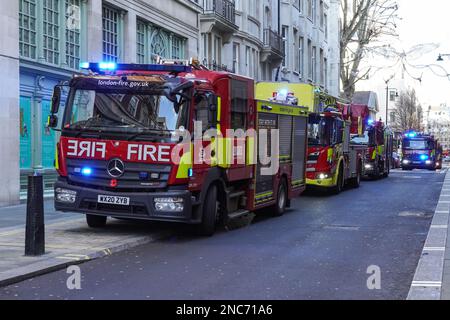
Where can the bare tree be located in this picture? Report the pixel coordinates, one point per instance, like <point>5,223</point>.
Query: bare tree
<point>364,24</point>
<point>408,114</point>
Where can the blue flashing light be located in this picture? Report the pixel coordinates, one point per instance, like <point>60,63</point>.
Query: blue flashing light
<point>86,172</point>
<point>107,66</point>
<point>370,122</point>
<point>411,135</point>
<point>85,65</point>
<point>190,173</point>
<point>112,66</point>
<point>143,175</point>
<point>424,157</point>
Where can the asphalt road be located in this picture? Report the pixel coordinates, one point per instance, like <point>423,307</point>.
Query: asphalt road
<point>321,249</point>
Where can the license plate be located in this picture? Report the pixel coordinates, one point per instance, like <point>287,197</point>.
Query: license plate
<point>417,162</point>
<point>121,201</point>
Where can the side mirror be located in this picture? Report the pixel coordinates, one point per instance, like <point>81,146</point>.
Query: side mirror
<point>212,108</point>
<point>52,121</point>
<point>56,100</point>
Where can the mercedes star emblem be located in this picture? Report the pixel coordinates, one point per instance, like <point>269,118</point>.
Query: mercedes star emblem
<point>116,168</point>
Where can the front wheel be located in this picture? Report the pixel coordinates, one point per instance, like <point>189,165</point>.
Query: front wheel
<point>356,182</point>
<point>96,222</point>
<point>207,228</point>
<point>339,184</point>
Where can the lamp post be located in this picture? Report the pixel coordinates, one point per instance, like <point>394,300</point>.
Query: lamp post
<point>441,56</point>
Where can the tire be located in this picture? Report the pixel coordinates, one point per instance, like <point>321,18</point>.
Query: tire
<point>356,182</point>
<point>387,172</point>
<point>340,183</point>
<point>282,199</point>
<point>96,222</point>
<point>207,227</point>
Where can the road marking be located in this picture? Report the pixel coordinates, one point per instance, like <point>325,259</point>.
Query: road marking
<point>442,212</point>
<point>434,249</point>
<point>431,284</point>
<point>439,227</point>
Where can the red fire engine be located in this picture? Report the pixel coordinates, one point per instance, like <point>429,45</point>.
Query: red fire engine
<point>115,157</point>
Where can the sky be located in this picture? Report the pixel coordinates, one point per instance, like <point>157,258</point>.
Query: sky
<point>422,22</point>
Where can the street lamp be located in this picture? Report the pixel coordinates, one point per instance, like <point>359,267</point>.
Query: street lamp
<point>441,56</point>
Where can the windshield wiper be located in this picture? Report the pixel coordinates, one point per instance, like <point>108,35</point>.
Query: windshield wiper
<point>147,132</point>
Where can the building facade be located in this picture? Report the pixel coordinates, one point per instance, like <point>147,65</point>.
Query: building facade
<point>9,101</point>
<point>437,123</point>
<point>45,41</point>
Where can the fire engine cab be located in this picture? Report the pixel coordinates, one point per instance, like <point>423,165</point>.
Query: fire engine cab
<point>419,152</point>
<point>331,163</point>
<point>173,142</point>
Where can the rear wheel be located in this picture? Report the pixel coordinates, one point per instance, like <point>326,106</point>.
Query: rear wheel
<point>96,222</point>
<point>207,228</point>
<point>282,199</point>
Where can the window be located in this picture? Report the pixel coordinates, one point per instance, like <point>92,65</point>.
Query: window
<point>314,11</point>
<point>285,35</point>
<point>236,57</point>
<point>73,33</point>
<point>154,41</point>
<point>309,8</point>
<point>110,34</point>
<point>301,54</point>
<point>322,69</point>
<point>299,5</point>
<point>52,31</point>
<point>325,21</point>
<point>310,60</point>
<point>27,30</point>
<point>322,14</point>
<point>239,104</point>
<point>314,64</point>
<point>325,72</point>
<point>296,51</point>
<point>140,41</point>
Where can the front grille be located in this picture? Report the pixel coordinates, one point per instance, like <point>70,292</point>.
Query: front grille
<point>139,210</point>
<point>130,181</point>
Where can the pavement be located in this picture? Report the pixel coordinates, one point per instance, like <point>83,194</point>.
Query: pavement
<point>432,277</point>
<point>68,241</point>
<point>325,247</point>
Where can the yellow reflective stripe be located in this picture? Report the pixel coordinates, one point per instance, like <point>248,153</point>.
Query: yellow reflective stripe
<point>264,195</point>
<point>185,164</point>
<point>225,149</point>
<point>219,108</point>
<point>251,151</point>
<point>374,154</point>
<point>330,154</point>
<point>57,159</point>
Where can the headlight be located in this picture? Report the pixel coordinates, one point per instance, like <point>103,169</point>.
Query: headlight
<point>406,161</point>
<point>368,166</point>
<point>169,204</point>
<point>64,195</point>
<point>428,162</point>
<point>323,176</point>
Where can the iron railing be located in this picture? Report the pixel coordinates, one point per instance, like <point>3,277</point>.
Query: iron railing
<point>224,8</point>
<point>273,40</point>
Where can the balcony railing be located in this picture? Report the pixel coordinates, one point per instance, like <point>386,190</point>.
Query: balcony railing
<point>273,40</point>
<point>223,8</point>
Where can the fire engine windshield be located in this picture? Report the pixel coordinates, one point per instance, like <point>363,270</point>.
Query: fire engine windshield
<point>417,144</point>
<point>318,131</point>
<point>125,112</point>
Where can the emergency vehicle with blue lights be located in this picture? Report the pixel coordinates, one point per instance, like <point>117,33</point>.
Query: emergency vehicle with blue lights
<point>419,151</point>
<point>115,154</point>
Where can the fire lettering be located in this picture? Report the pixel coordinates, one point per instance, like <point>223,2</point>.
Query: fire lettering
<point>148,153</point>
<point>86,149</point>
